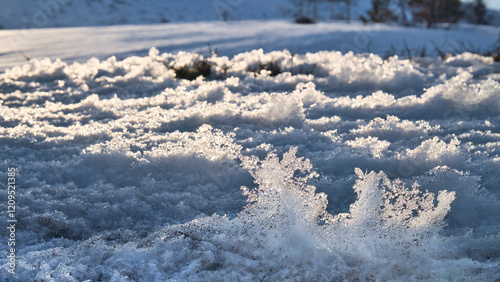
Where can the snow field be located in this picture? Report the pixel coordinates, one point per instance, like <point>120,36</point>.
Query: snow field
<point>79,44</point>
<point>67,13</point>
<point>322,166</point>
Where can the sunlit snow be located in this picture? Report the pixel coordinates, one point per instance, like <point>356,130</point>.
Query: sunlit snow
<point>308,167</point>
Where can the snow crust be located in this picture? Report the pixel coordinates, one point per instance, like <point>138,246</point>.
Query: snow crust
<point>337,166</point>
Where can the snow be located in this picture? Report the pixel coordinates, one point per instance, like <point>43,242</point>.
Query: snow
<point>276,166</point>
<point>69,13</point>
<point>59,13</point>
<point>253,149</point>
<point>229,39</point>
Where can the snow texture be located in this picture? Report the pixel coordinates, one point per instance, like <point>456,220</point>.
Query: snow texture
<point>308,167</point>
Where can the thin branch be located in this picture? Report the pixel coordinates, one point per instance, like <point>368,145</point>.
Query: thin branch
<point>24,55</point>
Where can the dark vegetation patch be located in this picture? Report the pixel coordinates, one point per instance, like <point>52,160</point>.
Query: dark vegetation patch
<point>305,20</point>
<point>191,72</point>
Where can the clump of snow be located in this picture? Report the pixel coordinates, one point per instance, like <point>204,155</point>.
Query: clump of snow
<point>463,93</point>
<point>392,128</point>
<point>372,145</point>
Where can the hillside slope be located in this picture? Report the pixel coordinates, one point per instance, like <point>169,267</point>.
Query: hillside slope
<point>48,13</point>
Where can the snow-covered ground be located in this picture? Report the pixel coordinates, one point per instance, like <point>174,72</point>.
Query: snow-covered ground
<point>59,13</point>
<point>29,14</point>
<point>302,153</point>
<point>69,13</point>
<point>352,167</point>
<point>82,43</point>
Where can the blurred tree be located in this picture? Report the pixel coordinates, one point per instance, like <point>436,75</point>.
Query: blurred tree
<point>314,9</point>
<point>332,4</point>
<point>299,8</point>
<point>433,12</point>
<point>380,12</point>
<point>480,12</point>
<point>306,11</point>
<point>348,4</point>
<point>402,7</point>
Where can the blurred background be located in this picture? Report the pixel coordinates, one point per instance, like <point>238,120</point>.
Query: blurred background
<point>69,13</point>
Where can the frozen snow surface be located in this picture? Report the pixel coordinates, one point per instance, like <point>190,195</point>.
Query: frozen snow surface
<point>315,167</point>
